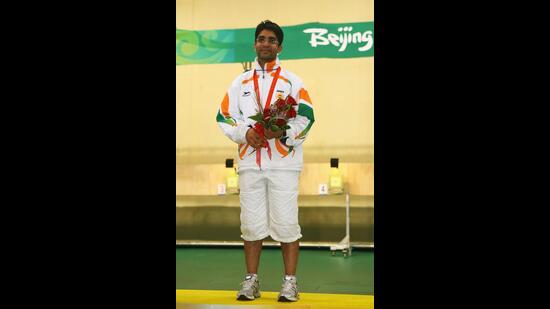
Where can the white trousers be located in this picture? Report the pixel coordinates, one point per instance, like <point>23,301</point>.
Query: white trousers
<point>269,205</point>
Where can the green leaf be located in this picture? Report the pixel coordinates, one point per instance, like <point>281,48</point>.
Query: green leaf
<point>275,128</point>
<point>286,127</point>
<point>257,117</point>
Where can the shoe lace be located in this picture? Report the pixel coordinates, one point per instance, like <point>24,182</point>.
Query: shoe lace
<point>248,284</point>
<point>289,286</point>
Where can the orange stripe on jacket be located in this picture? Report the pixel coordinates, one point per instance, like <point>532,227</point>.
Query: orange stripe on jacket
<point>305,96</point>
<point>281,77</point>
<point>225,105</point>
<point>247,80</point>
<point>280,148</point>
<point>269,66</point>
<point>241,155</point>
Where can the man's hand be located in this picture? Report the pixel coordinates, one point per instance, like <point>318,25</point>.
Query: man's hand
<point>254,139</point>
<point>270,134</point>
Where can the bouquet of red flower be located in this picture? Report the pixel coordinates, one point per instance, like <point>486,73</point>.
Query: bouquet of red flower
<point>275,119</point>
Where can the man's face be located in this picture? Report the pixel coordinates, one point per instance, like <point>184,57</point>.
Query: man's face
<point>267,46</point>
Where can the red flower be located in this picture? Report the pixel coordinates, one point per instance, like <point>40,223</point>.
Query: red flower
<point>280,122</point>
<point>278,114</point>
<point>290,100</point>
<point>280,104</point>
<point>291,113</point>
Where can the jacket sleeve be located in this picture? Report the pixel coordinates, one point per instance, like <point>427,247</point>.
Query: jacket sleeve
<point>300,126</point>
<point>229,117</point>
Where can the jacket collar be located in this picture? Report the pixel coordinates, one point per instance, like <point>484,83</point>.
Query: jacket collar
<point>270,66</point>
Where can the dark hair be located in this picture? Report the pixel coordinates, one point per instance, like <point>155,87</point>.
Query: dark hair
<point>269,25</point>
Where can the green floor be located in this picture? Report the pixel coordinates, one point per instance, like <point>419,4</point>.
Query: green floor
<point>200,268</point>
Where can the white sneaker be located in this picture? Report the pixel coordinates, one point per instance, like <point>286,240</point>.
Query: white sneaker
<point>289,291</point>
<point>250,288</point>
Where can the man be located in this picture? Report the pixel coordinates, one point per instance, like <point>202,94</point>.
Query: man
<point>269,194</point>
